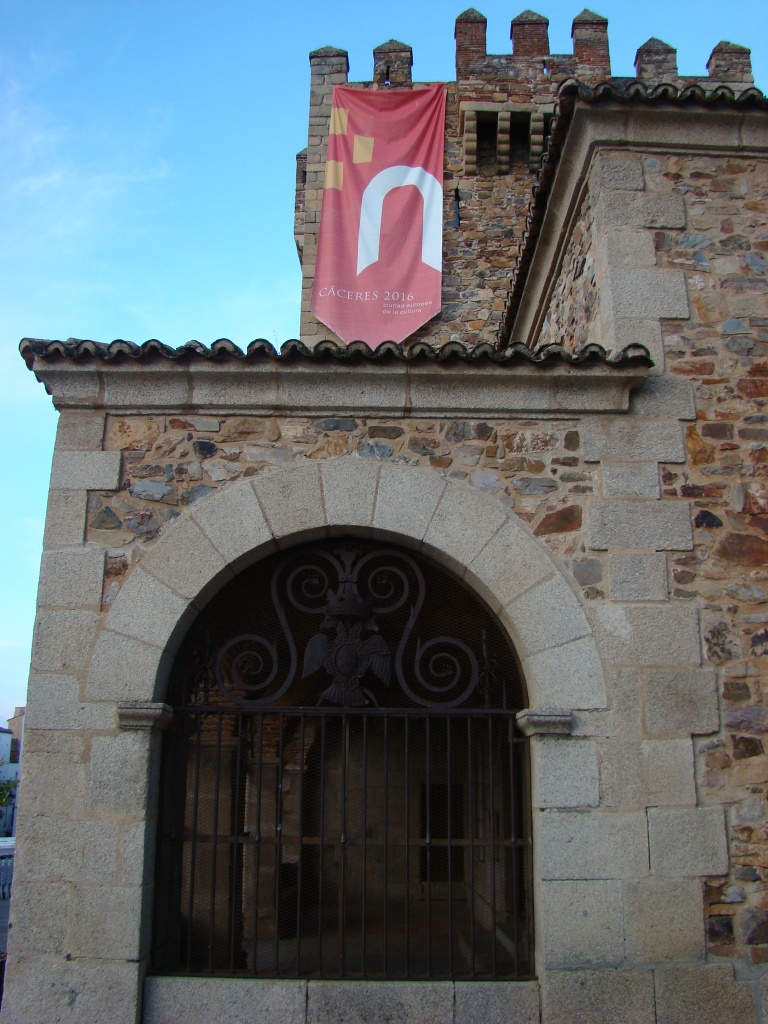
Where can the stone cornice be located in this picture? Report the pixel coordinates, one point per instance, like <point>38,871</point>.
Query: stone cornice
<point>121,378</point>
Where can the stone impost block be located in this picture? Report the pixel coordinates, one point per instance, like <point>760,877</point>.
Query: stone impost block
<point>233,522</point>
<point>648,634</point>
<point>545,722</point>
<point>640,479</point>
<point>564,773</point>
<point>639,577</point>
<point>494,1002</point>
<point>578,845</point>
<point>85,471</point>
<point>547,615</point>
<point>123,668</point>
<point>105,921</point>
<point>598,997</point>
<point>582,924</point>
<point>54,703</point>
<point>292,501</point>
<point>630,247</point>
<point>121,779</point>
<point>609,438</point>
<point>569,676</point>
<point>511,562</point>
<point>682,700</point>
<point>644,292</point>
<point>664,920</point>
<point>349,490</point>
<point>62,641</point>
<point>406,501</point>
<point>143,715</point>
<point>146,610</point>
<point>57,850</point>
<point>617,207</point>
<point>65,518</point>
<point>184,560</point>
<point>646,773</point>
<point>71,579</point>
<point>414,1002</point>
<point>687,842</point>
<point>702,994</point>
<point>654,525</point>
<point>73,992</point>
<point>236,1000</point>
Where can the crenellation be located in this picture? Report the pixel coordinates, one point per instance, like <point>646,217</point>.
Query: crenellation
<point>392,62</point>
<point>590,45</point>
<point>656,61</point>
<point>529,33</point>
<point>731,63</point>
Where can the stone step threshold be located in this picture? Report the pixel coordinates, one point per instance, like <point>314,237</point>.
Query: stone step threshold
<point>168,1000</point>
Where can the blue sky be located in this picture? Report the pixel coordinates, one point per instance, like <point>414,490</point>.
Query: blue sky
<point>146,183</point>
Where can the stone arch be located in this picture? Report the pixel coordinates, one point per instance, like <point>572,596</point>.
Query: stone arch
<point>465,530</point>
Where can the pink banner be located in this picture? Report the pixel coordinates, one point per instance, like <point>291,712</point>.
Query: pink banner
<point>380,252</point>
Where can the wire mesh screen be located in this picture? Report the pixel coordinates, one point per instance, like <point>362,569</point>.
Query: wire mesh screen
<point>344,793</point>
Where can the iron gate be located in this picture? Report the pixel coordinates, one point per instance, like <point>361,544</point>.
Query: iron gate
<point>317,820</point>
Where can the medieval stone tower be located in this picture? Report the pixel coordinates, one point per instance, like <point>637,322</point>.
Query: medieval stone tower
<point>427,683</point>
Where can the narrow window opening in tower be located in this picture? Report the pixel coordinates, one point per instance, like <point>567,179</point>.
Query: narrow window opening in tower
<point>519,141</point>
<point>386,76</point>
<point>487,134</point>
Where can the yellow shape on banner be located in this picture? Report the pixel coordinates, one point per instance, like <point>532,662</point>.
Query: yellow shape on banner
<point>362,152</point>
<point>334,173</point>
<point>339,118</point>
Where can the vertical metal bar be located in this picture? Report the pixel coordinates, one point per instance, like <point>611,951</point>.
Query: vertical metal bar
<point>299,886</point>
<point>343,844</point>
<point>365,839</point>
<point>428,843</point>
<point>233,896</point>
<point>527,868</point>
<point>407,853</point>
<point>386,840</point>
<point>257,844</point>
<point>322,848</point>
<point>215,843</point>
<point>450,845</point>
<point>513,840</point>
<point>492,813</point>
<point>278,835</point>
<point>193,853</point>
<point>470,785</point>
<point>176,816</point>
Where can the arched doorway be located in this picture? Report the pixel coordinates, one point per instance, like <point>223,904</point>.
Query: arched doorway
<point>344,791</point>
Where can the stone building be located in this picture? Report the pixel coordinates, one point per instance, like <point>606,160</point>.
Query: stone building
<point>427,684</point>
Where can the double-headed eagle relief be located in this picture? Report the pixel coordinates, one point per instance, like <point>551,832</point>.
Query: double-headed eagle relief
<point>342,647</point>
<point>339,624</point>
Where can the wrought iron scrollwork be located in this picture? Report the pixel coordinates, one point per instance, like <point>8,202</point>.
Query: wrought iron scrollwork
<point>366,607</point>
